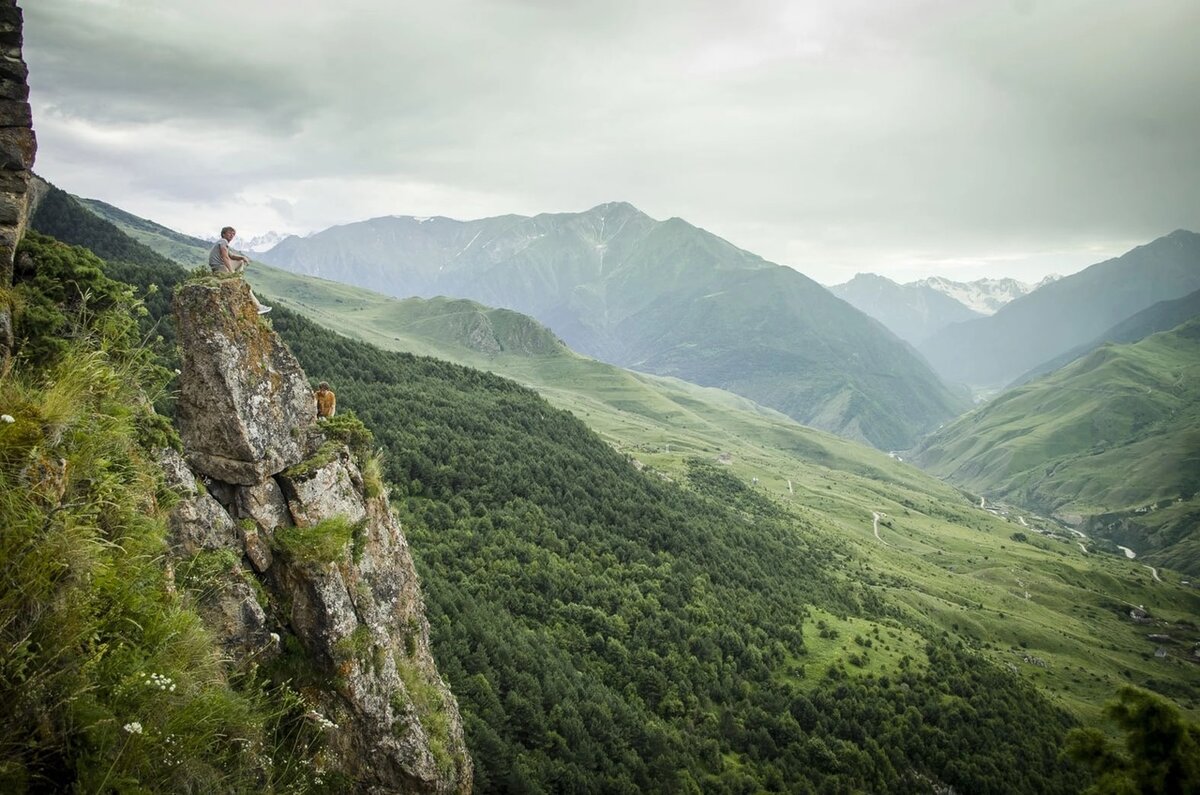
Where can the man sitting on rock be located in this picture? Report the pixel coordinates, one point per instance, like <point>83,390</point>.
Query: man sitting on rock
<point>326,401</point>
<point>221,259</point>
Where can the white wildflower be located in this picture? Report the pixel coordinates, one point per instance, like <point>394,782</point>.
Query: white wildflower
<point>162,682</point>
<point>133,727</point>
<point>320,720</point>
<point>7,418</point>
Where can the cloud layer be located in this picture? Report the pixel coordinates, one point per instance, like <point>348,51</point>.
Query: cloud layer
<point>904,138</point>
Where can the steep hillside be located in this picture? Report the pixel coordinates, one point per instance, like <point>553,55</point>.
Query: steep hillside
<point>992,351</point>
<point>182,248</point>
<point>143,651</point>
<point>1116,432</point>
<point>605,629</point>
<point>1163,316</point>
<point>662,297</point>
<point>910,311</point>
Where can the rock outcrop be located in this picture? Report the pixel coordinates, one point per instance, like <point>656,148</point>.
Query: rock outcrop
<point>245,403</point>
<point>311,566</point>
<point>17,149</point>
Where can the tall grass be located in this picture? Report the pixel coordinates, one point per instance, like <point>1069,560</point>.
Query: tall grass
<point>108,679</point>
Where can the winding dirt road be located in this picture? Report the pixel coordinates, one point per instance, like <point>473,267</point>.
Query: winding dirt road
<point>875,516</point>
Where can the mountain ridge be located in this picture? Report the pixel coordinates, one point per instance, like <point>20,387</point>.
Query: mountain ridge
<point>910,311</point>
<point>984,296</point>
<point>1115,433</point>
<point>992,351</point>
<point>615,284</point>
<point>1162,316</point>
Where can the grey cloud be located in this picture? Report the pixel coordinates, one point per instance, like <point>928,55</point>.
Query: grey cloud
<point>89,62</point>
<point>928,126</point>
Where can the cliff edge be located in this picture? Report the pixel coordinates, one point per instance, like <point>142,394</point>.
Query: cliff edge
<point>18,145</point>
<point>321,583</point>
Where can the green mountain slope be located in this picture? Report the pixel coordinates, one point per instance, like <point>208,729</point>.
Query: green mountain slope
<point>607,629</point>
<point>992,351</point>
<point>661,297</point>
<point>1163,316</point>
<point>665,410</point>
<point>191,251</point>
<point>1118,431</point>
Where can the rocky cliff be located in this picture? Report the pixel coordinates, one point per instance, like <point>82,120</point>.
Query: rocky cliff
<point>317,579</point>
<point>17,149</point>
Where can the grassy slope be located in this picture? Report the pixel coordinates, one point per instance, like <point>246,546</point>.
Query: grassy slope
<point>940,557</point>
<point>949,565</point>
<point>1074,310</point>
<point>1116,431</point>
<point>1163,316</point>
<point>185,249</point>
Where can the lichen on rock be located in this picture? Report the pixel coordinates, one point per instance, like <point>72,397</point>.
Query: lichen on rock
<point>244,402</point>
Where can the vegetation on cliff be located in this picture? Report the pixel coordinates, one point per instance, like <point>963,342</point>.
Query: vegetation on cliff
<point>108,680</point>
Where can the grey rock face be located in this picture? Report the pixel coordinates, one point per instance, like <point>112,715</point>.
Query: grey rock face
<point>232,612</point>
<point>244,402</point>
<point>265,504</point>
<point>247,418</point>
<point>334,489</point>
<point>176,473</point>
<point>18,146</point>
<point>363,615</point>
<point>200,523</point>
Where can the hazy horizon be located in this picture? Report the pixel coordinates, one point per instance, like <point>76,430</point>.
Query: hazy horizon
<point>924,138</point>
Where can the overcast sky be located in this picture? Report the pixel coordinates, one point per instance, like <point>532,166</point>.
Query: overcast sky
<point>901,137</point>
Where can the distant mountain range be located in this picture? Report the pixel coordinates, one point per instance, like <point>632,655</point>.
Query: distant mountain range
<point>1163,316</point>
<point>663,297</point>
<point>1111,441</point>
<point>984,296</point>
<point>1048,322</point>
<point>261,243</point>
<point>916,310</point>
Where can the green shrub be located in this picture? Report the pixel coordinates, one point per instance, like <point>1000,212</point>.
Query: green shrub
<point>431,712</point>
<point>324,542</point>
<point>349,429</point>
<point>372,471</point>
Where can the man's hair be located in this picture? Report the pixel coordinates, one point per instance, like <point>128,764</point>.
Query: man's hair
<point>323,385</point>
<point>225,229</point>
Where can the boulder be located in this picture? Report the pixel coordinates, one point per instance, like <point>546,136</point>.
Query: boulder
<point>200,523</point>
<point>265,504</point>
<point>232,612</point>
<point>329,485</point>
<point>244,403</point>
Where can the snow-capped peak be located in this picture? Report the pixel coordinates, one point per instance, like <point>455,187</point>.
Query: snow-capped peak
<point>262,242</point>
<point>985,296</point>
